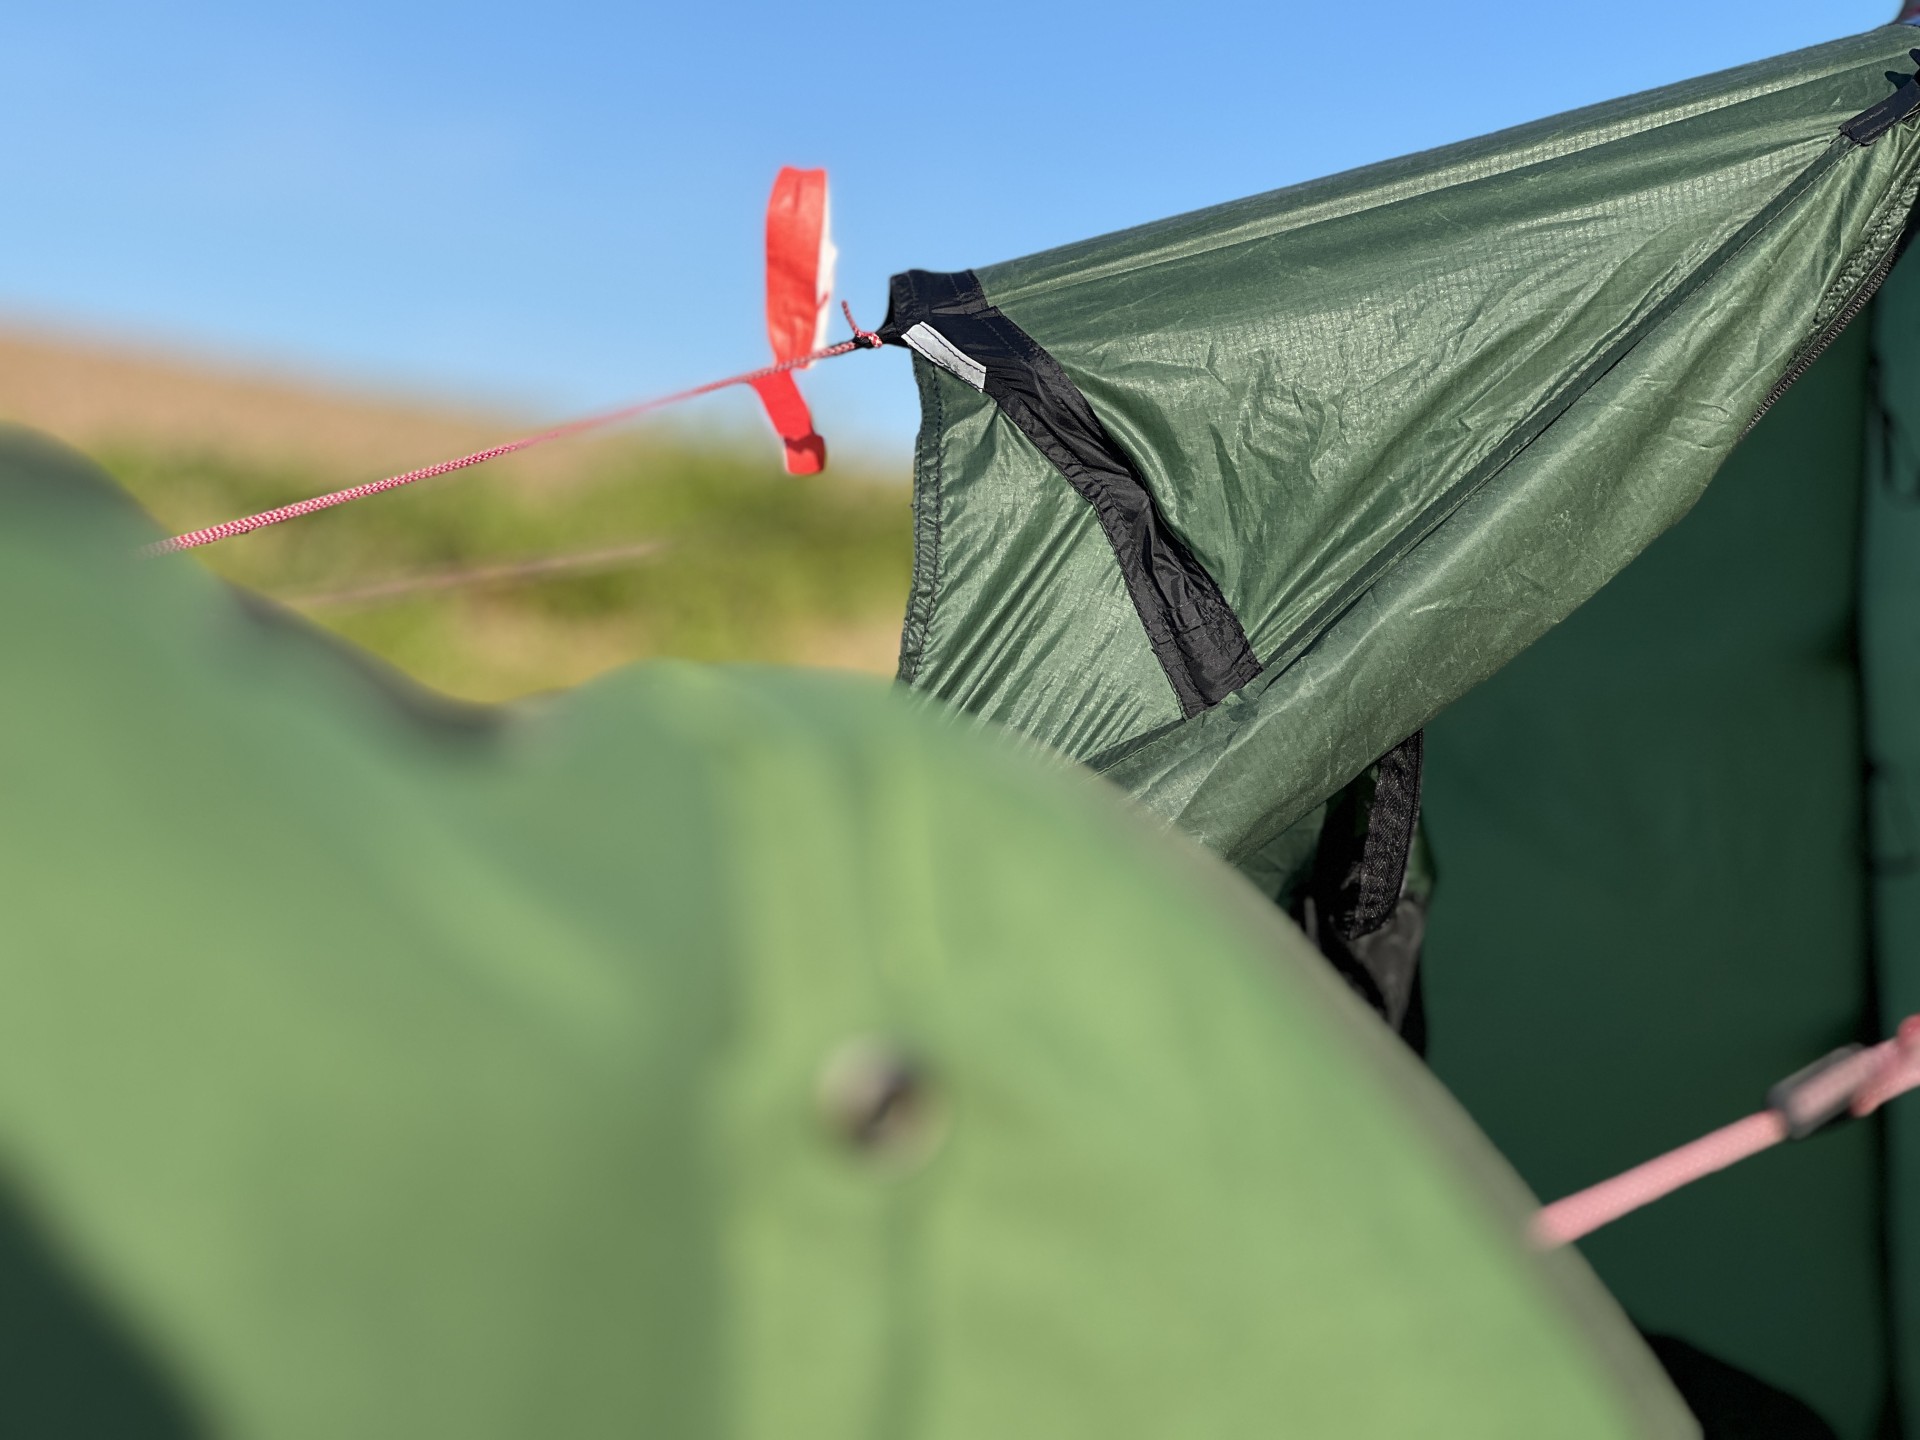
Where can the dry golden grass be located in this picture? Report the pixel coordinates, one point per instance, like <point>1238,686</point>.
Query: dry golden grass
<point>98,396</point>
<point>733,560</point>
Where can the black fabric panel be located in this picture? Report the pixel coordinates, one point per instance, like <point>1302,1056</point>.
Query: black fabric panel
<point>1193,631</point>
<point>1390,825</point>
<point>1361,867</point>
<point>1383,965</point>
<point>1357,908</point>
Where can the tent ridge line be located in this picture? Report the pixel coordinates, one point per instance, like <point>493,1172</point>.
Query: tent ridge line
<point>1469,169</point>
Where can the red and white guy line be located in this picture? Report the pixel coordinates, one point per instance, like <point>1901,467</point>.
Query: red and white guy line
<point>227,529</point>
<point>1858,1085</point>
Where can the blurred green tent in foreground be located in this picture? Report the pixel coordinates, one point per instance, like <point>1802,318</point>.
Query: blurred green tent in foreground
<point>705,1053</point>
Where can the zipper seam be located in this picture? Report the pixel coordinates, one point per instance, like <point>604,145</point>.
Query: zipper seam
<point>1824,338</point>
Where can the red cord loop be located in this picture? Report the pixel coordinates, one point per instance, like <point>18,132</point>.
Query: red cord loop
<point>864,337</point>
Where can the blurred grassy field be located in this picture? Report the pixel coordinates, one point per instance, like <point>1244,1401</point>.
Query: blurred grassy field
<point>649,548</point>
<point>524,574</point>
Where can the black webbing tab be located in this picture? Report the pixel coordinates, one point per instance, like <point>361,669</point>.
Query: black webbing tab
<point>1356,907</point>
<point>1390,826</point>
<point>1869,125</point>
<point>1362,862</point>
<point>1198,640</point>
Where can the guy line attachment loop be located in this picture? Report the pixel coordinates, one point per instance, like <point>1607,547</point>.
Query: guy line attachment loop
<point>865,337</point>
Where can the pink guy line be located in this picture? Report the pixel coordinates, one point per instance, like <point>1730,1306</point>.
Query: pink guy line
<point>227,529</point>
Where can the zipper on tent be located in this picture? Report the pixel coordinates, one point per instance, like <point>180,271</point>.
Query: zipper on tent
<point>1862,130</point>
<point>1829,333</point>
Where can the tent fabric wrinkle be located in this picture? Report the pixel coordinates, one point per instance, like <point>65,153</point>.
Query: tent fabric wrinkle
<point>1405,420</point>
<point>946,320</point>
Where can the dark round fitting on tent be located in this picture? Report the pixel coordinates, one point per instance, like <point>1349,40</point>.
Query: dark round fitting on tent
<point>879,1100</point>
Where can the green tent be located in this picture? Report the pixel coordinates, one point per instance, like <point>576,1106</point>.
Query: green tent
<point>1231,506</point>
<point>708,1053</point>
<point>729,1053</point>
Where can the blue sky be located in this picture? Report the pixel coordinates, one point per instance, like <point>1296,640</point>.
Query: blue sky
<point>558,206</point>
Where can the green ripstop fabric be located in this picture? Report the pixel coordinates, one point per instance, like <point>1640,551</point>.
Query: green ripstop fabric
<point>375,1067</point>
<point>1653,904</point>
<point>1408,418</point>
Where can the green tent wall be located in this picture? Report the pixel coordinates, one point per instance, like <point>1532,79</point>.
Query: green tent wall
<point>1654,901</point>
<point>1681,856</point>
<point>1407,421</point>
